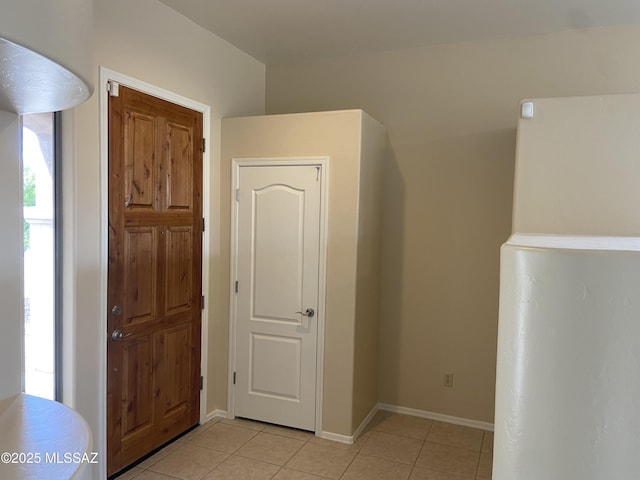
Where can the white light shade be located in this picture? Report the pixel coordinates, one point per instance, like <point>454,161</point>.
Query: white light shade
<point>46,54</point>
<point>31,83</point>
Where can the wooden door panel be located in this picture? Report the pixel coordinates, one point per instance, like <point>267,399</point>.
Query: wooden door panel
<point>139,160</point>
<point>140,274</point>
<point>155,274</point>
<point>177,370</point>
<point>137,379</point>
<point>179,270</point>
<point>179,168</point>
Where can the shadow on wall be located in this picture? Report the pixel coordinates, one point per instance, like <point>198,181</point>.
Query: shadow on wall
<point>391,287</point>
<point>447,210</point>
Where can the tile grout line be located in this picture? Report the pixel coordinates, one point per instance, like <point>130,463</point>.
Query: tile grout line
<point>424,440</point>
<point>308,440</point>
<point>349,464</point>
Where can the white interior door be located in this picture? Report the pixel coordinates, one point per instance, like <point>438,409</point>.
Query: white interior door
<point>278,254</point>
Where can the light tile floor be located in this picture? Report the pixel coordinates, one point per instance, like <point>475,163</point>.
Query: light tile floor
<point>394,447</point>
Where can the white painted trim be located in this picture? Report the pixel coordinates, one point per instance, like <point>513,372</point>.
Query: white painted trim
<point>233,272</point>
<point>336,437</point>
<point>101,435</point>
<point>322,162</point>
<point>575,242</point>
<point>69,263</point>
<point>350,439</point>
<point>465,422</point>
<point>215,414</point>
<point>105,75</point>
<point>366,422</point>
<point>322,287</point>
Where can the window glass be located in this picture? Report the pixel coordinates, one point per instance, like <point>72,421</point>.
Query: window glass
<point>38,160</point>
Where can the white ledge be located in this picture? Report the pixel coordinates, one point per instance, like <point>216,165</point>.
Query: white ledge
<point>42,439</point>
<point>575,242</point>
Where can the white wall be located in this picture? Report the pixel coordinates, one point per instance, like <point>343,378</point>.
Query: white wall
<point>568,344</point>
<point>58,29</point>
<point>567,385</point>
<point>10,256</point>
<point>150,42</point>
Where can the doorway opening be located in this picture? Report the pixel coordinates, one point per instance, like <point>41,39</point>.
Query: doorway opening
<point>278,256</point>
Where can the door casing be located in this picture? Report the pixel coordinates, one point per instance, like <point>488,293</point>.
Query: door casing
<point>236,165</point>
<point>107,75</point>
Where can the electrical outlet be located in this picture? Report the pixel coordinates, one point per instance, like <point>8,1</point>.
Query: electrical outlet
<point>447,380</point>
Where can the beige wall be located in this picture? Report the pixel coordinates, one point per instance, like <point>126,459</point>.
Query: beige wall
<point>148,41</point>
<point>577,167</point>
<point>451,114</point>
<point>367,316</point>
<point>337,135</point>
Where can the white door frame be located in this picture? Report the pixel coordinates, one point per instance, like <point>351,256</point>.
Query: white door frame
<point>236,164</point>
<point>107,75</point>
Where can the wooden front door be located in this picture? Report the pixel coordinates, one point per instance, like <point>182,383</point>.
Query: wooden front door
<point>277,300</point>
<point>155,275</point>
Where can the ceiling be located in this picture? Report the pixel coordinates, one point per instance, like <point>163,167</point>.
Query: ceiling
<point>281,31</point>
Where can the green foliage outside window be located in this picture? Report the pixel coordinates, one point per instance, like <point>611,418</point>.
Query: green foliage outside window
<point>29,200</point>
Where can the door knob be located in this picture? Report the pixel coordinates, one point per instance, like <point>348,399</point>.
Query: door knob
<point>309,312</point>
<point>118,335</point>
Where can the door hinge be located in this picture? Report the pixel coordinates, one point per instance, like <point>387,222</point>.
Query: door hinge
<point>204,145</point>
<point>236,286</point>
<point>237,194</point>
<point>113,88</point>
<point>202,302</point>
<point>204,225</point>
<point>201,382</point>
<point>234,378</point>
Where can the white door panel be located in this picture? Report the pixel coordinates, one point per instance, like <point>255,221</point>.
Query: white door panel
<point>275,367</point>
<point>278,232</point>
<point>278,238</point>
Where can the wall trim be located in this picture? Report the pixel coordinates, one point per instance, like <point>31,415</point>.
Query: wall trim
<point>236,164</point>
<point>366,421</point>
<point>350,439</point>
<point>440,417</point>
<point>336,437</point>
<point>465,422</point>
<point>216,413</point>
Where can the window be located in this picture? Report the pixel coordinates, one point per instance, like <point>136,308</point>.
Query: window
<point>40,254</point>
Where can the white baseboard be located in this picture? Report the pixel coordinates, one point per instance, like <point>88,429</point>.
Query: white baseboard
<point>349,439</point>
<point>365,422</point>
<point>336,437</point>
<point>465,422</point>
<point>216,413</point>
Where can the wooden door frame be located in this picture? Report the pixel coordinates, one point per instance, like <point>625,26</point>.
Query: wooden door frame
<point>323,163</point>
<point>107,75</point>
